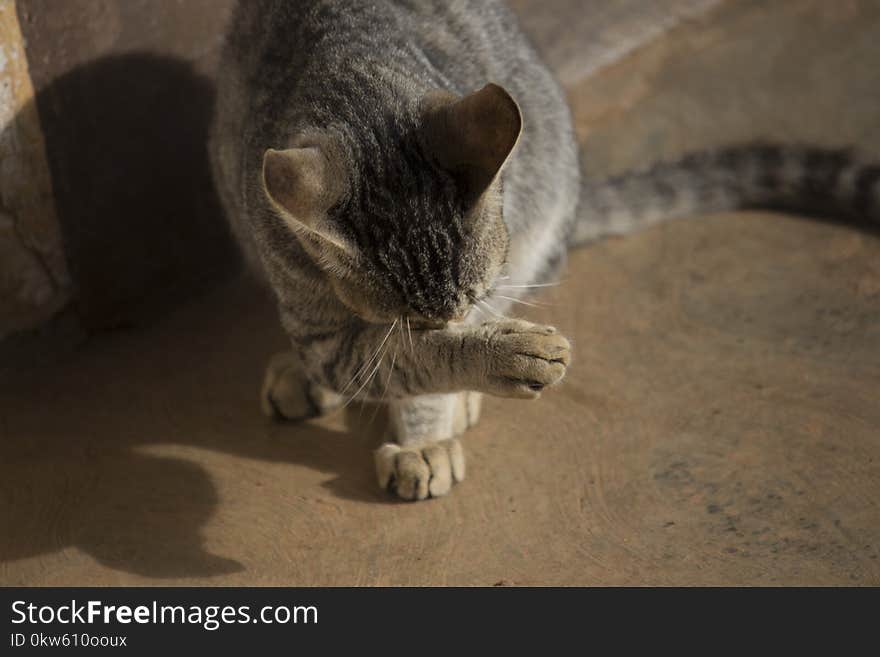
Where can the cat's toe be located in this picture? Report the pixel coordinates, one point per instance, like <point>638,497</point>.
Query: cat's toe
<point>417,472</point>
<point>526,358</point>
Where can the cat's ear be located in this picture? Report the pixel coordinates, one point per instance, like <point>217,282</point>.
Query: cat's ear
<point>302,185</point>
<point>471,136</point>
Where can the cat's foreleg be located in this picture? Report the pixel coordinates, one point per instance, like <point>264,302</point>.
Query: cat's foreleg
<point>507,358</point>
<point>289,394</point>
<point>426,458</point>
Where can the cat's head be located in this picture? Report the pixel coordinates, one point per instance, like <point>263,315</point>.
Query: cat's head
<point>411,227</point>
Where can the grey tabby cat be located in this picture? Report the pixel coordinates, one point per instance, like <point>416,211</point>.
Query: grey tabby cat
<point>399,171</point>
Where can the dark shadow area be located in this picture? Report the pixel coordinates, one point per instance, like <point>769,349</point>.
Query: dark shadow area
<point>83,441</point>
<point>129,511</point>
<point>142,226</point>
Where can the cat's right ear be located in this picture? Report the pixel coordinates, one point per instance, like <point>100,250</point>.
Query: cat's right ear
<point>302,185</point>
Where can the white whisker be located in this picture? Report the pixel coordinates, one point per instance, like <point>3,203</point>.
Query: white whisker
<point>492,309</point>
<point>370,380</point>
<point>525,303</point>
<point>387,382</point>
<point>364,384</point>
<point>508,287</point>
<point>369,362</point>
<point>412,349</point>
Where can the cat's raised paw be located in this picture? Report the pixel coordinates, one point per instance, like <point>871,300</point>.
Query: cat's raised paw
<point>419,471</point>
<point>525,358</point>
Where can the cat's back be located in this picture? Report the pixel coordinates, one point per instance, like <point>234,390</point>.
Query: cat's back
<point>457,43</point>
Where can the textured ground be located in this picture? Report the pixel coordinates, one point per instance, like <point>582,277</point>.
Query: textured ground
<point>720,423</point>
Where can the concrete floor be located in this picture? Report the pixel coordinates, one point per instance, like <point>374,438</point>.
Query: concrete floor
<point>720,423</point>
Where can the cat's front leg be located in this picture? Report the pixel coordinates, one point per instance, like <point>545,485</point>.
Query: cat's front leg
<point>289,394</point>
<point>426,458</point>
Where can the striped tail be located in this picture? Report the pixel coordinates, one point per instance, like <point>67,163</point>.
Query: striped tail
<point>805,180</point>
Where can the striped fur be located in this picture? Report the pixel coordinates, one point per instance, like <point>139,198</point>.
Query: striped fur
<point>825,182</point>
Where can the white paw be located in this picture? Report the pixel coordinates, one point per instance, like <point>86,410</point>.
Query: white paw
<point>419,471</point>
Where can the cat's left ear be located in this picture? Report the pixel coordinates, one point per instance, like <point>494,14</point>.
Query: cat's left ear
<point>472,136</point>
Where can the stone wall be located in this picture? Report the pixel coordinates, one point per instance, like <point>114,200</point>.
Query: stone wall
<point>124,93</point>
<point>34,282</point>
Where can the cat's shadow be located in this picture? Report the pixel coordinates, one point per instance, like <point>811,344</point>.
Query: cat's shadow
<point>91,440</point>
<point>121,449</point>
